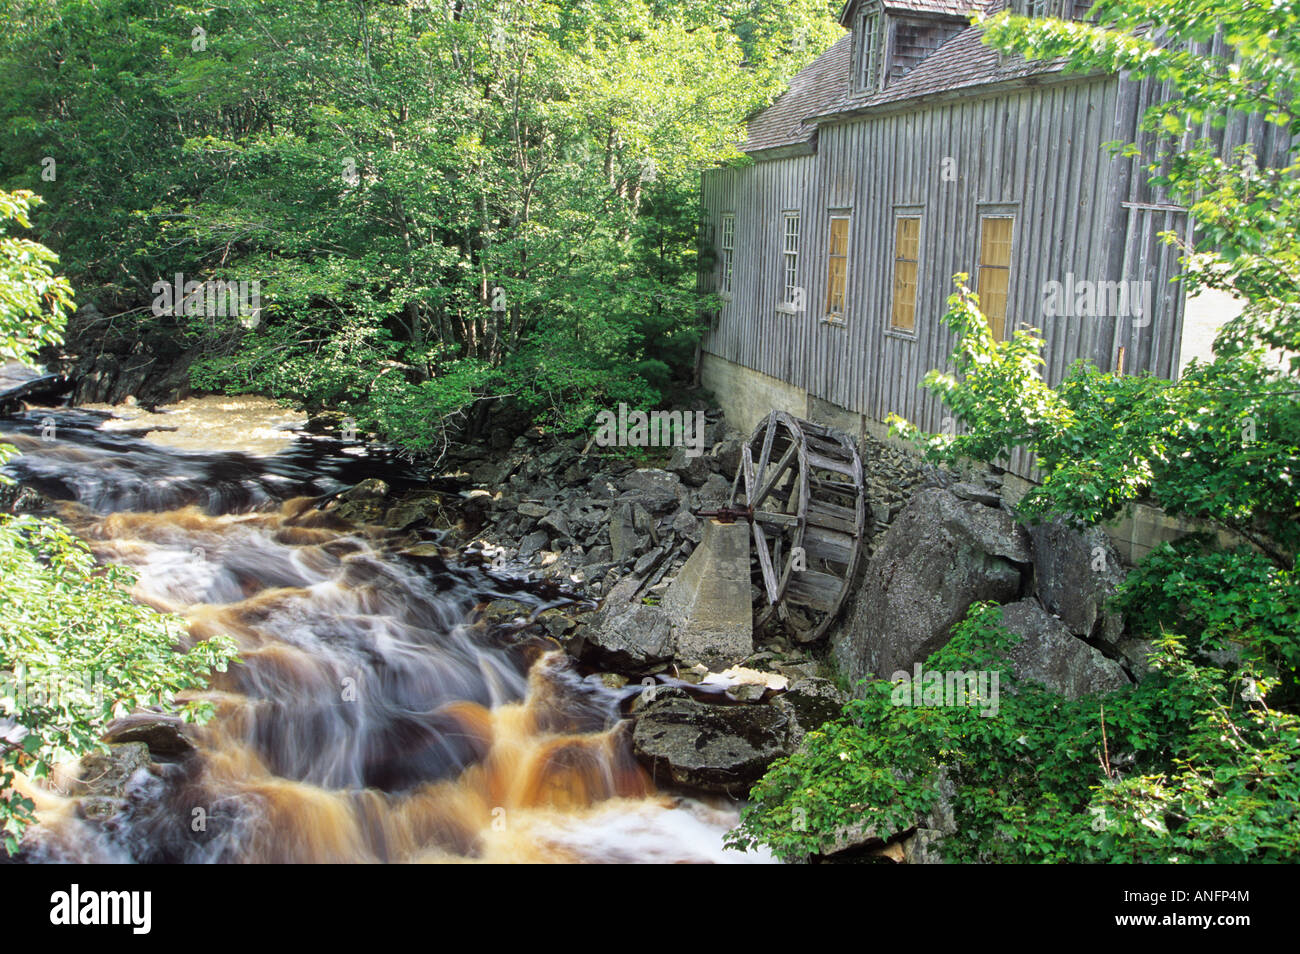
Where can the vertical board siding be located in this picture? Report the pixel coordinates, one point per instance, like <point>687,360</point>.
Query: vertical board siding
<point>1036,152</point>
<point>750,330</point>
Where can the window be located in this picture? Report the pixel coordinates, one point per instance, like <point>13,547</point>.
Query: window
<point>907,242</point>
<point>791,293</point>
<point>837,268</point>
<point>993,282</point>
<point>728,252</point>
<point>868,50</point>
<point>1047,8</point>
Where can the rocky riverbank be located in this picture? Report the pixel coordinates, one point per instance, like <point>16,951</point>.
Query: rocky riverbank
<point>603,534</point>
<point>619,530</point>
<point>616,529</point>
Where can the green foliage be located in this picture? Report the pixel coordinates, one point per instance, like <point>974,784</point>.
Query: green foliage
<point>441,201</point>
<point>33,300</point>
<point>76,651</point>
<point>1232,796</point>
<point>987,372</point>
<point>1234,601</point>
<point>1181,767</point>
<point>1222,444</point>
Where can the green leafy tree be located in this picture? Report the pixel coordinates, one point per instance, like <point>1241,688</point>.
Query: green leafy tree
<point>442,202</point>
<point>1188,766</point>
<point>33,299</point>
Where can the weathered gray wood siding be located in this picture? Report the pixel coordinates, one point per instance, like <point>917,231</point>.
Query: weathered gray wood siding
<point>1034,152</point>
<point>1141,212</point>
<point>751,331</point>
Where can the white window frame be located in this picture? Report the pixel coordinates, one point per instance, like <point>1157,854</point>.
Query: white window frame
<point>869,27</point>
<point>728,255</point>
<point>791,231</point>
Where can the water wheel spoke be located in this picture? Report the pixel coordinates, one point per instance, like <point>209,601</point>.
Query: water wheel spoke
<point>765,563</point>
<point>766,453</point>
<point>747,470</point>
<point>736,482</point>
<point>779,471</point>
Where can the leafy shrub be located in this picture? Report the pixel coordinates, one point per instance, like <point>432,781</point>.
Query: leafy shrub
<point>75,651</point>
<point>1189,765</point>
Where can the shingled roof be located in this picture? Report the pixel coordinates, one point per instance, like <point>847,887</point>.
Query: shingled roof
<point>816,88</point>
<point>821,90</point>
<point>955,8</point>
<point>963,62</point>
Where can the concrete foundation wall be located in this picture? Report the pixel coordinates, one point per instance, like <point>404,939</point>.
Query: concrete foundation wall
<point>748,396</point>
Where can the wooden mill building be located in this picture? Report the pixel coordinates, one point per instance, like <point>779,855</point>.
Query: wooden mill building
<point>909,152</point>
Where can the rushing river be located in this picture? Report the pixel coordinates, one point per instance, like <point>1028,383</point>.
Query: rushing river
<point>371,718</point>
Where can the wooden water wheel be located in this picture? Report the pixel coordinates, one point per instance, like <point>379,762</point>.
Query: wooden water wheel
<point>803,484</point>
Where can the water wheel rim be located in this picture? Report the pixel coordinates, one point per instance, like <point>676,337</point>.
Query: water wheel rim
<point>780,535</point>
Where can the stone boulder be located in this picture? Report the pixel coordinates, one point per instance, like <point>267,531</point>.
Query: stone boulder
<point>709,602</point>
<point>364,503</point>
<point>1050,654</point>
<point>415,510</point>
<point>652,482</point>
<point>164,735</point>
<point>627,638</point>
<point>716,748</point>
<point>939,555</point>
<point>629,535</point>
<point>693,470</point>
<point>1075,573</point>
<point>809,704</point>
<point>534,542</point>
<point>108,773</point>
<point>922,847</point>
<point>712,493</point>
<point>728,455</point>
<point>1136,656</point>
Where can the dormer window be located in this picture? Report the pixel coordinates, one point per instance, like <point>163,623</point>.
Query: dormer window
<point>1045,8</point>
<point>868,41</point>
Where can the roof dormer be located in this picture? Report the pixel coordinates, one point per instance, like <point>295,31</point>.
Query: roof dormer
<point>1060,9</point>
<point>890,37</point>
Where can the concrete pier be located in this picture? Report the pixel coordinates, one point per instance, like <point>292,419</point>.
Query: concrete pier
<point>709,601</point>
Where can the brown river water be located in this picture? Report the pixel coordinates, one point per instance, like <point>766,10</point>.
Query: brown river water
<point>371,718</point>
